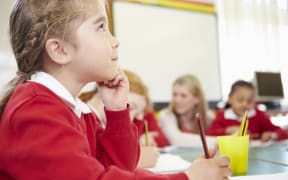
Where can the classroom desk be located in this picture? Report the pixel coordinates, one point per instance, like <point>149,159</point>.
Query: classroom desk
<point>276,153</point>
<point>262,160</point>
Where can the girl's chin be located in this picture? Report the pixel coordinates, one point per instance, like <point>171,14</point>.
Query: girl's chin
<point>111,76</point>
<point>180,111</point>
<point>240,114</point>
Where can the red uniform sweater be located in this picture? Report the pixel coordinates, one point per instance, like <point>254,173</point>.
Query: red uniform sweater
<point>258,124</point>
<point>150,118</point>
<point>42,138</point>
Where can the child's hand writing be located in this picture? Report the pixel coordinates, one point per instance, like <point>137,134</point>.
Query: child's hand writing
<point>114,93</point>
<point>151,140</point>
<point>207,169</point>
<point>232,130</point>
<point>148,157</point>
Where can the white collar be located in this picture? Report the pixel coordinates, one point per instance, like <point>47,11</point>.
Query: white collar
<point>54,85</point>
<point>229,114</point>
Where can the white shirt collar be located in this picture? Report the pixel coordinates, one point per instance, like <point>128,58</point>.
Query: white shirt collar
<point>54,85</point>
<point>229,114</point>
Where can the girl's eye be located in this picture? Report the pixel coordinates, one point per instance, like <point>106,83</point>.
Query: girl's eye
<point>102,27</point>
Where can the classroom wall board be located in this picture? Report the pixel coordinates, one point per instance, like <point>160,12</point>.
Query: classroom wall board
<point>161,43</point>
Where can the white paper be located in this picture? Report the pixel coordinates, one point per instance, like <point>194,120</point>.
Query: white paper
<point>276,176</point>
<point>170,163</point>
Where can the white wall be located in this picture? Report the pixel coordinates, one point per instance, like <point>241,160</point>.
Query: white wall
<point>7,62</point>
<point>253,36</point>
<point>162,43</point>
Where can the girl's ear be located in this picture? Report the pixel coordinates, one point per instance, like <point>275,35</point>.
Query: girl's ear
<point>58,51</point>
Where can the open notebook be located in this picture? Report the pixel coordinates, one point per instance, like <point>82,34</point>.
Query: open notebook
<point>168,163</point>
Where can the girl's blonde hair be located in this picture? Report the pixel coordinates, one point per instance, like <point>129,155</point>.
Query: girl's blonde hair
<point>194,86</point>
<point>32,23</point>
<point>138,86</point>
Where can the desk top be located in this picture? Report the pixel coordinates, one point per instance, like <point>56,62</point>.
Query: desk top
<point>262,160</point>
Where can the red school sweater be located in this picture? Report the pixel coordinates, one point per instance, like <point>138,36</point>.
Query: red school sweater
<point>151,120</point>
<point>42,138</point>
<point>258,124</point>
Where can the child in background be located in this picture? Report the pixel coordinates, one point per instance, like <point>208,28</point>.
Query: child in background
<point>241,99</point>
<point>46,132</point>
<point>178,120</point>
<point>141,109</point>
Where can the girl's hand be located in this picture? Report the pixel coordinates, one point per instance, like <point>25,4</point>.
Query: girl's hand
<point>232,130</point>
<point>148,157</point>
<point>266,136</point>
<point>207,169</point>
<point>114,93</point>
<point>151,139</point>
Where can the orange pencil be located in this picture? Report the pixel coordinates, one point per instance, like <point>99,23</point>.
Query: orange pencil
<point>146,133</point>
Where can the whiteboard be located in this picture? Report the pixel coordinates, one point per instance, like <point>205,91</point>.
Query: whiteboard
<point>160,44</point>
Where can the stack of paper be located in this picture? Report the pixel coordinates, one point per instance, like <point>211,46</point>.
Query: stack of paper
<point>168,163</point>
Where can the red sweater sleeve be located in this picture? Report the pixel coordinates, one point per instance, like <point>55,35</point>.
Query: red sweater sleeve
<point>40,139</point>
<point>218,126</point>
<point>266,125</point>
<point>160,139</point>
<point>119,141</point>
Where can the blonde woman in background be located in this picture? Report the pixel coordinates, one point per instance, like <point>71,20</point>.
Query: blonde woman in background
<point>178,120</point>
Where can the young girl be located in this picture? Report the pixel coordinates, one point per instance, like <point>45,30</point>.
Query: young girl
<point>142,110</point>
<point>45,131</point>
<point>241,99</point>
<point>178,120</point>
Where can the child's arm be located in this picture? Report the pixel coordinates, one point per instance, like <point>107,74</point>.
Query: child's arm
<point>270,131</point>
<point>119,141</point>
<point>159,137</point>
<point>48,145</point>
<point>219,126</point>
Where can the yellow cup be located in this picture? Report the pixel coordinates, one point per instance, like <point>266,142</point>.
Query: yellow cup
<point>237,148</point>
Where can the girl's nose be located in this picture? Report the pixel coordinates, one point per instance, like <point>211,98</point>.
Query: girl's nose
<point>115,41</point>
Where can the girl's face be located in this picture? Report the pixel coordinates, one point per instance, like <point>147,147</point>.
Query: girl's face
<point>137,105</point>
<point>183,100</point>
<point>241,100</point>
<point>95,56</point>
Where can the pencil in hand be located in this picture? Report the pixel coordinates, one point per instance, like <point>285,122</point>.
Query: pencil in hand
<point>146,133</point>
<point>202,135</point>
